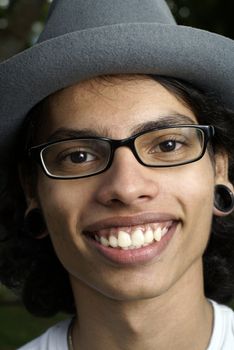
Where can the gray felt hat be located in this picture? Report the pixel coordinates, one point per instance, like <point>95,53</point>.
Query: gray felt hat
<point>87,38</point>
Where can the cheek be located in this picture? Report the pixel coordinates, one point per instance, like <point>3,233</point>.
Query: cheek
<point>190,192</point>
<point>190,188</point>
<point>196,197</point>
<point>197,187</point>
<point>61,204</point>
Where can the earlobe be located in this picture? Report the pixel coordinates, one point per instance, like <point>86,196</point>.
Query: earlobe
<point>34,224</point>
<point>31,204</point>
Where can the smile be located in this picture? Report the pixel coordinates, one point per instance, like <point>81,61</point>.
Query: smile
<point>133,237</point>
<point>132,240</point>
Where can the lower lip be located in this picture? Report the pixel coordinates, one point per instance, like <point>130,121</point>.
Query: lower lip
<point>135,256</point>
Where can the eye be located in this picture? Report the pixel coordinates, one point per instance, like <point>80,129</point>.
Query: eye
<point>169,146</point>
<point>79,157</point>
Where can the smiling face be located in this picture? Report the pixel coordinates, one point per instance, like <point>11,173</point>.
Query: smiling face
<point>127,200</point>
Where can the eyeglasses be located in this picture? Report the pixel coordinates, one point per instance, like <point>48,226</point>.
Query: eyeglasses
<point>159,147</point>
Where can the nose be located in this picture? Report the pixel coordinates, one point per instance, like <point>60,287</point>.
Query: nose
<point>127,182</point>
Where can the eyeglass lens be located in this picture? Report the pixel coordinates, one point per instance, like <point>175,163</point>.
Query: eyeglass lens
<point>170,146</point>
<point>76,157</point>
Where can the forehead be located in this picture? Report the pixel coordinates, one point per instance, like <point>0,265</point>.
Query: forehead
<point>114,104</point>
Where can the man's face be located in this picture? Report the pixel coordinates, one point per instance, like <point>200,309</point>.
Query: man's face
<point>137,197</point>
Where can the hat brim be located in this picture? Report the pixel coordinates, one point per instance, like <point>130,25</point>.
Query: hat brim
<point>200,57</point>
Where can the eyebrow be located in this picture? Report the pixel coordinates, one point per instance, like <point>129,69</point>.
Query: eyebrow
<point>66,133</point>
<point>161,122</point>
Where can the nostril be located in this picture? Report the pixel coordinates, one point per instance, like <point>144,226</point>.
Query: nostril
<point>126,187</point>
<point>114,201</point>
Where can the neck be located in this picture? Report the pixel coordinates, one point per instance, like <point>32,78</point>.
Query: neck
<point>144,324</point>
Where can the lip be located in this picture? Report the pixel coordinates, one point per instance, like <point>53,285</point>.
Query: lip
<point>132,220</point>
<point>136,256</point>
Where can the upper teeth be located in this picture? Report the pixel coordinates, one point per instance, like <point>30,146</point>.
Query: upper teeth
<point>138,237</point>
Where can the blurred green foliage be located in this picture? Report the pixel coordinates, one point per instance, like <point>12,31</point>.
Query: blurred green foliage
<point>212,15</point>
<point>17,326</point>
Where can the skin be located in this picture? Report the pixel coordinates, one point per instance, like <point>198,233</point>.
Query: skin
<point>130,307</point>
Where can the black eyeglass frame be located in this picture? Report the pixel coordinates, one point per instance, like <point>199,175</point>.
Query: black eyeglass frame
<point>35,152</point>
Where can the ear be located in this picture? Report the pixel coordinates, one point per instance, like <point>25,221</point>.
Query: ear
<point>34,224</point>
<point>29,188</point>
<point>31,220</point>
<point>221,170</point>
<point>221,176</point>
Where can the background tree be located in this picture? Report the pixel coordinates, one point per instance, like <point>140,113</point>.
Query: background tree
<point>19,21</point>
<point>22,20</point>
<point>213,15</point>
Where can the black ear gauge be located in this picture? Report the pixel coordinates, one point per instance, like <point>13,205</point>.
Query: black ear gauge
<point>34,224</point>
<point>224,199</point>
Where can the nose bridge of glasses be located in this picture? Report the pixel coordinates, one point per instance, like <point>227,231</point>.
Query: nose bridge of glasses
<point>127,142</point>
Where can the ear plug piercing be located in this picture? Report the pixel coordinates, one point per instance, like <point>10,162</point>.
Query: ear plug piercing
<point>224,199</point>
<point>34,224</point>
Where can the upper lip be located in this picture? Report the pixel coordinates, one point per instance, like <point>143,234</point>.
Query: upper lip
<point>133,220</point>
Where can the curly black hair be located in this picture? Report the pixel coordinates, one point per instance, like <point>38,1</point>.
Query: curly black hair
<point>31,268</point>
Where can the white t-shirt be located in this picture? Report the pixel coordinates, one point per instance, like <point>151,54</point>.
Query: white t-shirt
<point>223,330</point>
<point>55,338</point>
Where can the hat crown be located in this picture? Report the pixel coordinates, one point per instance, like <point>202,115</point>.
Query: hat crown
<point>74,15</point>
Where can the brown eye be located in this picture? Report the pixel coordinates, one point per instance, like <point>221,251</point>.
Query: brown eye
<point>168,146</point>
<point>80,157</point>
<point>76,157</point>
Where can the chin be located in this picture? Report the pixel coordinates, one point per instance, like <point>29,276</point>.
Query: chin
<point>133,291</point>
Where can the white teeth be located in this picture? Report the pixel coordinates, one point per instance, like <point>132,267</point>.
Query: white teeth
<point>113,241</point>
<point>164,231</point>
<point>97,238</point>
<point>104,241</point>
<point>158,234</point>
<point>124,240</point>
<point>149,236</point>
<point>138,238</point>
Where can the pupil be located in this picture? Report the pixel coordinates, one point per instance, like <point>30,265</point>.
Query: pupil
<point>78,157</point>
<point>167,146</point>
